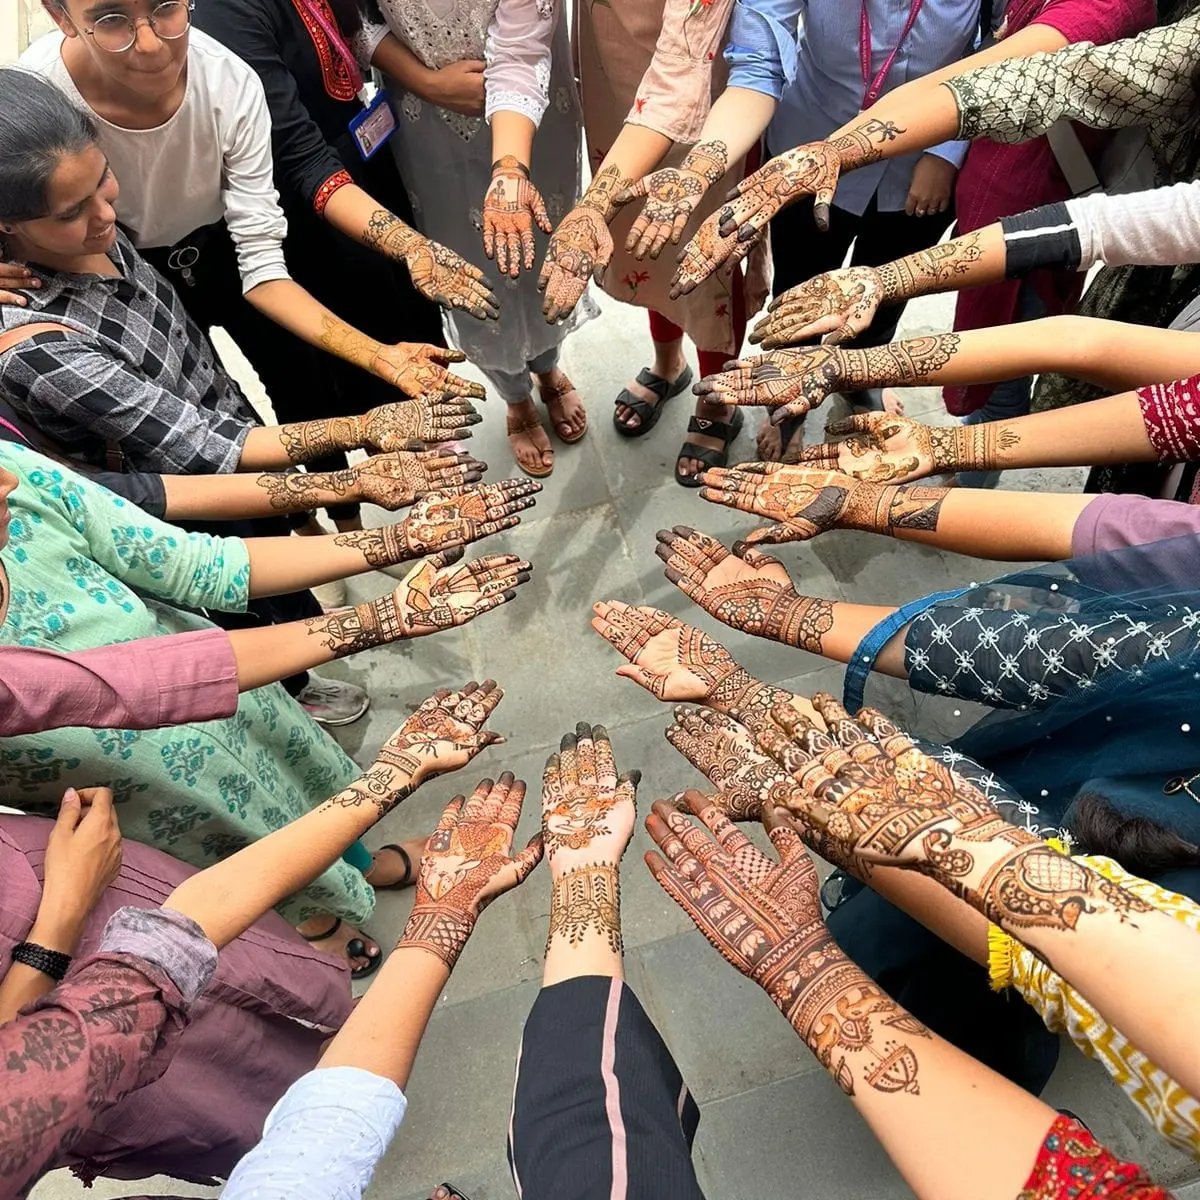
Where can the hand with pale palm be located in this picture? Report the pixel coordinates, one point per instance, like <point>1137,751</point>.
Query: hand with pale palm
<point>412,423</point>
<point>467,863</point>
<point>444,734</point>
<point>883,448</point>
<point>803,502</point>
<point>399,479</point>
<point>588,810</point>
<point>835,306</point>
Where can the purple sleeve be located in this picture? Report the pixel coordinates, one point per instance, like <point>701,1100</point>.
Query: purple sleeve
<point>96,1037</point>
<point>174,680</point>
<point>1114,522</point>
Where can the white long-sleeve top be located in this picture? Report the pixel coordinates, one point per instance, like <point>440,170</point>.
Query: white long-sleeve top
<point>211,160</point>
<point>1160,227</point>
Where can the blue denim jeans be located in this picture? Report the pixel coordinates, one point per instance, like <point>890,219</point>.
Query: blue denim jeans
<point>1009,399</point>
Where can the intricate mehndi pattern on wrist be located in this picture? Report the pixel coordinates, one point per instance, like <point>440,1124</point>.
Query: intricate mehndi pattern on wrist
<point>380,547</point>
<point>587,900</point>
<point>375,623</point>
<point>293,490</point>
<point>307,440</point>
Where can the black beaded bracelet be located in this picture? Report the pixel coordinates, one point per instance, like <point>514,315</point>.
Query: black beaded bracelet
<point>50,962</point>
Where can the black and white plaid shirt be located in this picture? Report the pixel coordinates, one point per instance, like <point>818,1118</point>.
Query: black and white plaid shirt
<point>135,372</point>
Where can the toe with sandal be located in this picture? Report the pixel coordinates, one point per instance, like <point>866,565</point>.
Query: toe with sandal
<point>725,431</point>
<point>355,948</point>
<point>530,427</point>
<point>646,412</point>
<point>552,396</point>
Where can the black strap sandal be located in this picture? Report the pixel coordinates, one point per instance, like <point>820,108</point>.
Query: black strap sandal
<point>727,431</point>
<point>409,878</point>
<point>646,412</point>
<point>355,948</point>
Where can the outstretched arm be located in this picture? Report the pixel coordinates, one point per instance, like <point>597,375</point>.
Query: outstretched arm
<point>1113,354</point>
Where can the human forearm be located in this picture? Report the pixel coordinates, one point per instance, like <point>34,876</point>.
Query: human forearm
<point>234,497</point>
<point>941,1116</point>
<point>57,927</point>
<point>1007,526</point>
<point>398,62</point>
<point>385,1029</point>
<point>225,899</point>
<point>585,923</point>
<point>738,119</point>
<point>512,136</point>
<point>360,217</point>
<point>637,151</point>
<point>1094,933</point>
<point>276,566</point>
<point>273,652</point>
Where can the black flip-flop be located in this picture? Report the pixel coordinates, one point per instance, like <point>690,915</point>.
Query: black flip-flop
<point>646,412</point>
<point>727,431</point>
<point>408,880</point>
<point>355,948</point>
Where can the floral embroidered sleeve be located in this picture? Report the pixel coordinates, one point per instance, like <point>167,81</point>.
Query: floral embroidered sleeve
<point>82,1047</point>
<point>1008,659</point>
<point>193,570</point>
<point>1144,80</point>
<point>518,52</point>
<point>1072,1163</point>
<point>675,93</point>
<point>1171,412</point>
<point>1173,1111</point>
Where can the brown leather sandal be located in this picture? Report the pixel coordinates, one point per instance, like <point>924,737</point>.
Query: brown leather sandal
<point>528,427</point>
<point>553,393</point>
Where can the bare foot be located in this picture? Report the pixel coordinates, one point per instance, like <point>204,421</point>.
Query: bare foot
<point>388,869</point>
<point>770,444</point>
<point>529,440</point>
<point>564,405</point>
<point>893,404</point>
<point>705,412</point>
<point>338,941</point>
<point>669,364</point>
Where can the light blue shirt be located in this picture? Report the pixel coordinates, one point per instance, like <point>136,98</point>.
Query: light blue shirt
<point>322,1141</point>
<point>805,53</point>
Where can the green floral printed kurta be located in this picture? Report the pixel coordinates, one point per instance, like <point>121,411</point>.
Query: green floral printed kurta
<point>87,569</point>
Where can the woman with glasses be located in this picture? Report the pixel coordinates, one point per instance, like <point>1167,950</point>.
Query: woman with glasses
<point>186,128</point>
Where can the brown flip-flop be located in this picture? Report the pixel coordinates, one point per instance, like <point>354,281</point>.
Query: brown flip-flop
<point>550,392</point>
<point>529,427</point>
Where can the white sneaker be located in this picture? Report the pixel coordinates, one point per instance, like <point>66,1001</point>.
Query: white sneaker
<point>333,701</point>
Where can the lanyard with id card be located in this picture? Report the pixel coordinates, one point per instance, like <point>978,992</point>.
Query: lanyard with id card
<point>372,127</point>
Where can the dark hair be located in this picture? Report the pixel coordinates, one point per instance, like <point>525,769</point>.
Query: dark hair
<point>349,16</point>
<point>1140,844</point>
<point>38,125</point>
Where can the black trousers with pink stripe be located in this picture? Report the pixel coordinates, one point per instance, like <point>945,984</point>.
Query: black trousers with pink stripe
<point>600,1110</point>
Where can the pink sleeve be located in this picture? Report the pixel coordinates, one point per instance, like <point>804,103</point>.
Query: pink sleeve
<point>1099,21</point>
<point>1113,522</point>
<point>1171,414</point>
<point>676,91</point>
<point>174,680</point>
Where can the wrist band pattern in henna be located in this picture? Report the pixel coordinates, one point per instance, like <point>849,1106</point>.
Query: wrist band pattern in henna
<point>587,900</point>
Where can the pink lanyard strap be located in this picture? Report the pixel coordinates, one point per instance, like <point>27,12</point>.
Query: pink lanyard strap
<point>338,43</point>
<point>10,426</point>
<point>875,86</point>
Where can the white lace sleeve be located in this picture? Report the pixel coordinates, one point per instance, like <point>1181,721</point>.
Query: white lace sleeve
<point>366,41</point>
<point>518,54</point>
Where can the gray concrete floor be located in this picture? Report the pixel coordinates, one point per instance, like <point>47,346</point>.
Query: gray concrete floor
<point>773,1124</point>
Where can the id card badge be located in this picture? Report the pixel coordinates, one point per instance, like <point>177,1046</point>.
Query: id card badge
<point>373,126</point>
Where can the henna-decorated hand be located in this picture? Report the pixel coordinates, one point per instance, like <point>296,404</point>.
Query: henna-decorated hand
<point>883,448</point>
<point>674,661</point>
<point>446,278</point>
<point>402,425</point>
<point>672,195</point>
<point>588,809</point>
<point>398,479</point>
<point>443,592</point>
<point>511,208</point>
<point>419,371</point>
<point>579,250</point>
<point>789,382</point>
<point>837,305</point>
<point>748,781</point>
<point>731,232</point>
<point>449,519</point>
<point>763,916</point>
<point>747,589</point>
<point>444,734</point>
<point>803,502</point>
<point>468,862</point>
<point>866,785</point>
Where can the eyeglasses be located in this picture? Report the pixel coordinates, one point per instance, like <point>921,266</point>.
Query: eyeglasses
<point>117,33</point>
